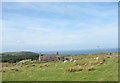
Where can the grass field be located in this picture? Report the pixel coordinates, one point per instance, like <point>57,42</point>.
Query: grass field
<point>57,71</point>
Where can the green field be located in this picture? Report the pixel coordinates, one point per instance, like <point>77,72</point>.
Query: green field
<point>57,71</point>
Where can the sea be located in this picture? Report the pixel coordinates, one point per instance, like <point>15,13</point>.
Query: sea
<point>87,51</point>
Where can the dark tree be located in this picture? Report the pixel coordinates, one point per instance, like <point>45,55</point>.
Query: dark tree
<point>57,53</point>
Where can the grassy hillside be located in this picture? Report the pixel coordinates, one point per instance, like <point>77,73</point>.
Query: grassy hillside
<point>58,71</point>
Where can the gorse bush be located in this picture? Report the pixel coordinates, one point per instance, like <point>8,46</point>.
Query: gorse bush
<point>90,68</point>
<point>73,69</point>
<point>90,62</point>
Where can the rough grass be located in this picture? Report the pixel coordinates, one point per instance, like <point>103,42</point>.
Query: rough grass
<point>56,71</point>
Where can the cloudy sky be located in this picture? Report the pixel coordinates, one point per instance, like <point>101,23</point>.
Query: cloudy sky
<point>51,26</point>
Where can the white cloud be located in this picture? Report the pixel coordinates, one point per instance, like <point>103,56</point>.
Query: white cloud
<point>89,38</point>
<point>22,32</point>
<point>39,29</point>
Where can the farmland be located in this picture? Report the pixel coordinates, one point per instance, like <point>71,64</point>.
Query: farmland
<point>107,70</point>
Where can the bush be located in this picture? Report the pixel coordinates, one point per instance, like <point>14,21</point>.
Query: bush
<point>13,59</point>
<point>14,69</point>
<point>27,63</point>
<point>91,62</point>
<point>73,69</point>
<point>46,65</point>
<point>90,68</point>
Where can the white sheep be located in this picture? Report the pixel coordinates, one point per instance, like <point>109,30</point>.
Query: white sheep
<point>74,61</point>
<point>97,58</point>
<point>71,60</point>
<point>65,61</point>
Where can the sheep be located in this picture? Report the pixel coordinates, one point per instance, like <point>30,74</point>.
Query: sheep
<point>71,60</point>
<point>65,61</point>
<point>74,61</point>
<point>97,58</point>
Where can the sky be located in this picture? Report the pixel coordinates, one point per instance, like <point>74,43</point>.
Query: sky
<point>51,26</point>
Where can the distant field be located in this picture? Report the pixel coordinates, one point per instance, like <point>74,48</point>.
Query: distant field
<point>57,71</point>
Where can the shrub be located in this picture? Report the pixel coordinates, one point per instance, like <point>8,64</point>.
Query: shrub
<point>27,62</point>
<point>80,68</point>
<point>41,66</point>
<point>14,69</point>
<point>100,61</point>
<point>81,63</point>
<point>91,62</point>
<point>73,69</point>
<point>2,70</point>
<point>46,65</point>
<point>90,68</point>
<point>86,63</point>
<point>33,64</point>
<point>27,65</point>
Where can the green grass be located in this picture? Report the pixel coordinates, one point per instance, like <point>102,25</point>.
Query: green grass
<point>57,72</point>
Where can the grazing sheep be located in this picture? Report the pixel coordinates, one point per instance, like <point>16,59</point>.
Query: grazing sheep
<point>97,58</point>
<point>65,61</point>
<point>71,60</point>
<point>74,61</point>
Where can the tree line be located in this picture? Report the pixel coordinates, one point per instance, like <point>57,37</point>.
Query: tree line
<point>14,58</point>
